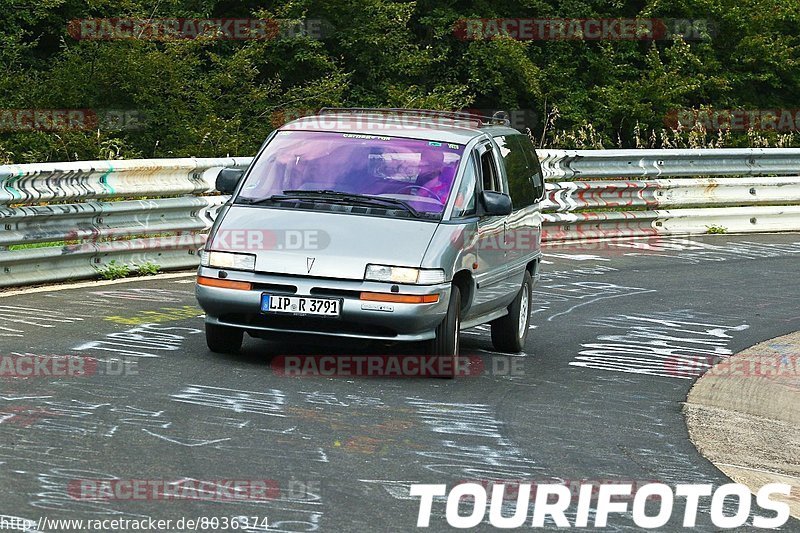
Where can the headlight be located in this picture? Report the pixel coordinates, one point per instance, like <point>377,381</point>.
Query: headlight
<point>228,260</point>
<point>412,276</point>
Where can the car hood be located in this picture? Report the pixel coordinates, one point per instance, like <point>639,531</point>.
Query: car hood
<point>331,245</point>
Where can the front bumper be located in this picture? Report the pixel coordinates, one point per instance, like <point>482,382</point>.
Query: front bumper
<point>358,319</point>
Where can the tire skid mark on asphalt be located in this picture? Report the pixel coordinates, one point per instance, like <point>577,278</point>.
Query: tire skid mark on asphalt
<point>186,442</point>
<point>579,294</point>
<point>323,409</point>
<point>20,316</point>
<point>269,403</point>
<point>111,298</point>
<point>286,411</point>
<point>548,276</point>
<point>559,288</point>
<point>661,344</point>
<point>143,341</point>
<point>493,456</point>
<point>23,452</point>
<point>695,251</point>
<point>76,418</point>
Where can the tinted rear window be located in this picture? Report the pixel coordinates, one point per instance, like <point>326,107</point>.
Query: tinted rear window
<point>518,168</point>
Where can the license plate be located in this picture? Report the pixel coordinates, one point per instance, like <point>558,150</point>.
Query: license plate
<point>300,305</point>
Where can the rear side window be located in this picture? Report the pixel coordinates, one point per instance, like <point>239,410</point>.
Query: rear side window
<point>536,167</point>
<point>522,168</point>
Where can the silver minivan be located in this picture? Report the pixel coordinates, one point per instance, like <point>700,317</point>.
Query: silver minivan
<point>387,225</point>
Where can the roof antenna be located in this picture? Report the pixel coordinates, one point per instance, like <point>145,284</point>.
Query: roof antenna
<point>500,118</point>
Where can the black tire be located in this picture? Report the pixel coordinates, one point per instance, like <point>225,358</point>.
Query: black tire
<point>510,332</point>
<point>224,339</point>
<point>446,343</point>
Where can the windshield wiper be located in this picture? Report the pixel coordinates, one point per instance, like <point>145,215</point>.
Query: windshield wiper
<point>337,197</point>
<point>363,199</point>
<point>332,199</point>
<point>273,198</point>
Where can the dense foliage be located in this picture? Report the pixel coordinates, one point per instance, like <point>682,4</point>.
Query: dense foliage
<point>210,97</point>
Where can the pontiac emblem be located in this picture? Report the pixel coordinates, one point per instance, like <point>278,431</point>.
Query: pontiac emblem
<point>310,263</point>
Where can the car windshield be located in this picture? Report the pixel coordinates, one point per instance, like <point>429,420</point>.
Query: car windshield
<point>414,174</point>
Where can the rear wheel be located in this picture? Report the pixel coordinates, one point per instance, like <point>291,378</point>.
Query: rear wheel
<point>223,339</point>
<point>510,332</point>
<point>445,345</point>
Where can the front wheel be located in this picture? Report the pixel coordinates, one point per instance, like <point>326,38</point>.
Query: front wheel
<point>445,345</point>
<point>224,339</point>
<point>510,332</point>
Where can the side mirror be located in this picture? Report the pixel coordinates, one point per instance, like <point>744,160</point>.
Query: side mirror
<point>228,179</point>
<point>496,203</point>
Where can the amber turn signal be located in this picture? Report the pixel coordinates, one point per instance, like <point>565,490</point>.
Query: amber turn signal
<point>400,298</point>
<point>224,283</point>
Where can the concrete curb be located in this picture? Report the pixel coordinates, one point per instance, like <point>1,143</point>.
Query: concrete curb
<point>743,415</point>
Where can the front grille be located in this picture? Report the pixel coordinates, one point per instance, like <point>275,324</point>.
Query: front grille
<point>275,288</point>
<point>335,293</point>
<point>310,324</point>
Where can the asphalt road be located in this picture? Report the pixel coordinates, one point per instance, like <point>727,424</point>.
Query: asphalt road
<point>596,396</point>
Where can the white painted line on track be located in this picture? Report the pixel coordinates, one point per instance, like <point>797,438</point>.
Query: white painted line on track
<point>95,283</point>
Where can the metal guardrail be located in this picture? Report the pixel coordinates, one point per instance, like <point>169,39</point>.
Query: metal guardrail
<point>157,211</point>
<point>571,164</point>
<point>686,192</point>
<point>89,180</point>
<point>106,220</point>
<point>594,205</point>
<point>94,212</point>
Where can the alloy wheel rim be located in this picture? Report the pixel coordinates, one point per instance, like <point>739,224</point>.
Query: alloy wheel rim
<point>458,329</point>
<point>523,312</point>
